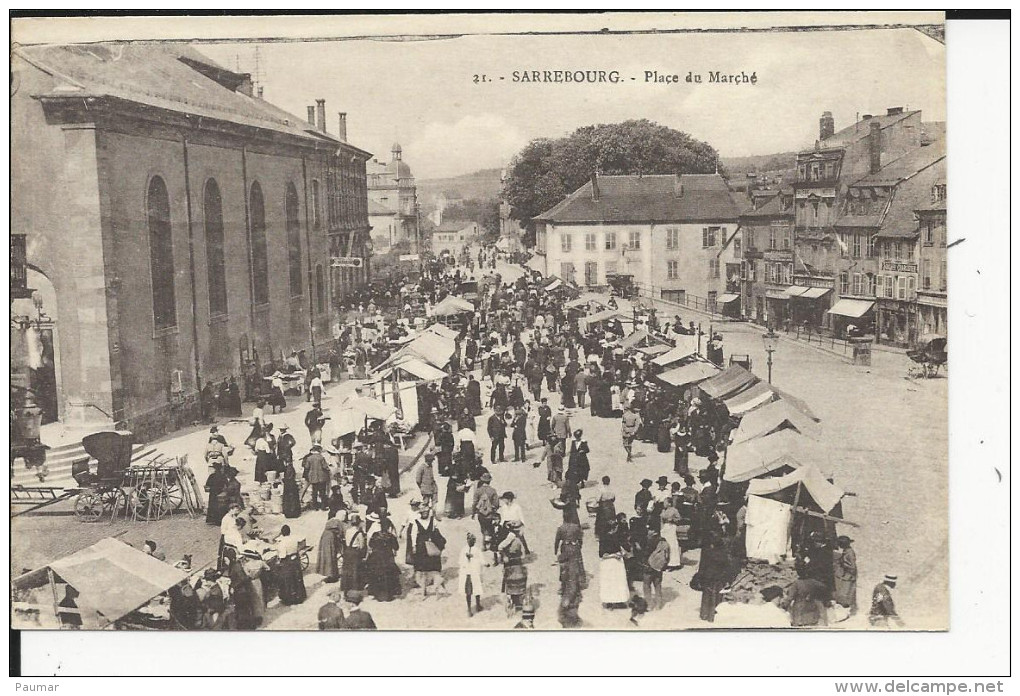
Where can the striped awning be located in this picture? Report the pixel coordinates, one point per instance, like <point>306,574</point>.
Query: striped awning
<point>851,308</point>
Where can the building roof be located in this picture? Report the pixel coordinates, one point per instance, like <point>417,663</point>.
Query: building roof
<point>453,226</point>
<point>906,166</point>
<point>860,129</point>
<point>377,208</point>
<point>910,195</point>
<point>651,198</point>
<point>773,207</point>
<point>169,76</point>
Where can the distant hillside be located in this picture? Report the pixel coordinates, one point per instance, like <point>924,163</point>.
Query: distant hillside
<point>760,163</point>
<point>481,184</point>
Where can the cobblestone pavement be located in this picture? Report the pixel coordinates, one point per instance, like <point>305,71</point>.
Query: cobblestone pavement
<point>887,441</point>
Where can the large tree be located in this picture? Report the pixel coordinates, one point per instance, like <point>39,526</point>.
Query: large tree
<point>546,170</point>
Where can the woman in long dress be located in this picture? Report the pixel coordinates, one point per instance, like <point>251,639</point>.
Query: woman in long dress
<point>257,423</point>
<point>844,563</point>
<point>290,576</point>
<point>605,513</point>
<point>351,574</point>
<point>330,545</point>
<point>256,569</point>
<point>241,593</point>
<point>670,521</point>
<point>382,573</point>
<point>613,586</point>
<point>291,494</point>
<point>456,486</point>
<point>515,573</point>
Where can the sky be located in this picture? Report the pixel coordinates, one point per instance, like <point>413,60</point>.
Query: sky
<point>422,93</point>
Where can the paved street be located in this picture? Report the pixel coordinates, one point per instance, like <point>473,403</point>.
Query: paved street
<point>864,413</point>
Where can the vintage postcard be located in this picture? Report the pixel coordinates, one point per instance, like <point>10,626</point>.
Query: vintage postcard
<point>479,323</point>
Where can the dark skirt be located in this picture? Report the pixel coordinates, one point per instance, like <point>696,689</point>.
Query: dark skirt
<point>351,570</point>
<point>383,576</point>
<point>291,500</point>
<point>291,581</point>
<point>680,459</point>
<point>663,440</point>
<point>454,500</point>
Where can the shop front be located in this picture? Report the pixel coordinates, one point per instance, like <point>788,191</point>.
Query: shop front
<point>897,323</point>
<point>850,312</point>
<point>808,305</point>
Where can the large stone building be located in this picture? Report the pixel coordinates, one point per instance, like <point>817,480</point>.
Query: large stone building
<point>676,236</point>
<point>393,202</point>
<point>766,232</point>
<point>823,229</point>
<point>932,280</point>
<point>178,225</point>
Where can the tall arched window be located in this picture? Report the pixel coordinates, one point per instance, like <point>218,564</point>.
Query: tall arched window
<point>293,241</point>
<point>215,259</point>
<point>161,254</point>
<point>259,247</point>
<point>320,290</point>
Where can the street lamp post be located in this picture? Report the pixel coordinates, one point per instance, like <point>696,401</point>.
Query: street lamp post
<point>771,341</point>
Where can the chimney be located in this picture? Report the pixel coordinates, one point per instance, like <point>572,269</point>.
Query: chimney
<point>320,114</point>
<point>866,117</point>
<point>595,186</point>
<point>260,91</point>
<point>342,126</point>
<point>875,146</point>
<point>894,110</point>
<point>311,116</point>
<point>826,125</point>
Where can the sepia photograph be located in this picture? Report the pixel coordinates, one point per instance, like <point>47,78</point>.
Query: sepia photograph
<point>382,325</point>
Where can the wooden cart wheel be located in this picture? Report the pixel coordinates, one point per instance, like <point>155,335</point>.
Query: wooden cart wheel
<point>304,560</point>
<point>114,499</point>
<point>88,506</point>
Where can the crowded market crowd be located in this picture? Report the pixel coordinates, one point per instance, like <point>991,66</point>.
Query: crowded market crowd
<point>524,365</point>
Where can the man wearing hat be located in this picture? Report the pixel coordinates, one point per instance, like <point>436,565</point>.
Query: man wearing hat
<point>883,608</point>
<point>285,448</point>
<point>316,472</point>
<point>486,509</point>
<point>374,498</point>
<point>629,428</point>
<point>425,479</point>
<point>643,498</point>
<point>357,618</point>
<point>559,426</point>
<point>331,616</point>
<point>496,428</point>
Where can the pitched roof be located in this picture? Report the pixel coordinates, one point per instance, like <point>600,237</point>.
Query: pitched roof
<point>906,166</point>
<point>909,195</point>
<point>860,129</point>
<point>169,76</point>
<point>377,208</point>
<point>651,198</point>
<point>773,207</point>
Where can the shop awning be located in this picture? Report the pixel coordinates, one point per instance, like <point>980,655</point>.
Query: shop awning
<point>776,295</point>
<point>851,308</point>
<point>686,346</point>
<point>796,290</point>
<point>689,374</point>
<point>554,284</point>
<point>729,382</point>
<point>815,293</point>
<point>748,399</point>
<point>728,297</point>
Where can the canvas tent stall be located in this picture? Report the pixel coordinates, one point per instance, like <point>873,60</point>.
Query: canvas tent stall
<point>398,386</point>
<point>655,349</point>
<point>783,510</point>
<point>687,375</point>
<point>443,331</point>
<point>778,453</point>
<point>587,298</point>
<point>112,578</point>
<point>355,413</point>
<point>771,418</point>
<point>641,339</point>
<point>588,322</point>
<point>431,347</point>
<point>684,347</point>
<point>749,399</point>
<point>452,305</point>
<point>731,381</point>
<point>729,304</point>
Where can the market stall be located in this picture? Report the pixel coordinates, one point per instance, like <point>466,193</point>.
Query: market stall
<point>772,418</point>
<point>111,578</point>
